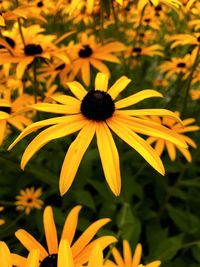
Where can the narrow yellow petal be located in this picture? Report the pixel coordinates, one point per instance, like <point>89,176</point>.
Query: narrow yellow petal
<point>136,98</point>
<point>96,257</point>
<point>5,258</point>
<point>3,124</point>
<point>171,150</point>
<point>65,258</point>
<point>70,225</point>
<point>77,89</point>
<point>118,258</point>
<point>87,236</point>
<point>50,230</point>
<point>35,126</point>
<point>101,81</point>
<point>67,100</point>
<point>100,66</point>
<point>33,258</point>
<point>127,253</point>
<point>140,145</point>
<point>29,242</point>
<point>159,147</point>
<point>85,72</point>
<point>57,108</point>
<point>137,256</point>
<point>153,264</point>
<point>151,112</point>
<point>17,260</point>
<point>109,157</point>
<point>185,153</point>
<point>104,242</point>
<point>74,156</point>
<point>53,132</point>
<point>118,86</point>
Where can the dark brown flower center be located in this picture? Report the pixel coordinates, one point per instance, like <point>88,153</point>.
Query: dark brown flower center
<point>85,52</point>
<point>97,105</point>
<point>158,8</point>
<point>29,200</point>
<point>32,49</point>
<point>6,109</point>
<point>40,4</point>
<point>137,49</point>
<point>198,39</point>
<point>10,41</point>
<point>181,65</point>
<point>50,261</point>
<point>147,20</point>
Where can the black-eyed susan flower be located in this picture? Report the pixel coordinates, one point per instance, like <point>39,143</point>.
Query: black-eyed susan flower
<point>138,50</point>
<point>81,248</point>
<point>2,221</point>
<point>177,66</point>
<point>161,144</point>
<point>28,199</point>
<point>130,259</point>
<point>6,258</point>
<point>14,113</point>
<point>185,39</point>
<point>89,52</point>
<point>97,113</point>
<point>171,3</point>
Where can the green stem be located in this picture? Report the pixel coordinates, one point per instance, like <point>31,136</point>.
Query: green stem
<point>101,22</point>
<point>190,244</point>
<point>115,18</point>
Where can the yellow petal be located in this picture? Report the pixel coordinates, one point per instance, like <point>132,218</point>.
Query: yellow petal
<point>118,258</point>
<point>185,153</point>
<point>67,100</point>
<point>100,66</point>
<point>87,236</point>
<point>57,108</point>
<point>136,98</point>
<point>50,230</point>
<point>109,157</point>
<point>74,156</point>
<point>137,256</point>
<point>140,145</point>
<point>35,126</point>
<point>127,253</point>
<point>18,260</point>
<point>104,242</point>
<point>96,257</point>
<point>65,258</point>
<point>29,242</point>
<point>101,81</point>
<point>5,258</point>
<point>53,132</point>
<point>118,86</point>
<point>70,225</point>
<point>153,264</point>
<point>33,258</point>
<point>3,124</point>
<point>171,150</point>
<point>77,89</point>
<point>85,72</point>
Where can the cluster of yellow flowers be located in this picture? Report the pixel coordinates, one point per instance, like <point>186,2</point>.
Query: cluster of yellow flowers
<point>45,47</point>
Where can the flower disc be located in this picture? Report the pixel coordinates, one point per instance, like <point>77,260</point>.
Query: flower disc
<point>50,261</point>
<point>97,105</point>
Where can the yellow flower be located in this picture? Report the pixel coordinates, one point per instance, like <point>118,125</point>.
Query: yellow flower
<point>95,112</point>
<point>14,113</point>
<point>29,199</point>
<point>81,248</point>
<point>6,258</point>
<point>195,94</point>
<point>171,3</point>
<point>130,260</point>
<point>152,50</point>
<point>89,52</point>
<point>185,39</point>
<point>160,143</point>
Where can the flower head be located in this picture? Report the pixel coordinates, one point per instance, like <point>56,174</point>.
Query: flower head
<point>81,248</point>
<point>29,199</point>
<point>97,113</point>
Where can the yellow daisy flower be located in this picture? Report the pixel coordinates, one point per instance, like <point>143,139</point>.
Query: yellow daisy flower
<point>185,39</point>
<point>160,143</point>
<point>131,260</point>
<point>81,248</point>
<point>6,258</point>
<point>28,199</point>
<point>14,113</point>
<point>96,113</point>
<point>151,51</point>
<point>89,52</point>
<point>171,3</point>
